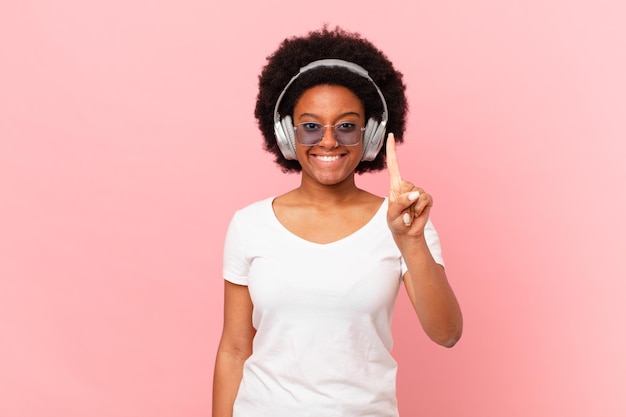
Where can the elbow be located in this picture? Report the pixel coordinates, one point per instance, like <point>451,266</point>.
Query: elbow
<point>450,337</point>
<point>450,342</point>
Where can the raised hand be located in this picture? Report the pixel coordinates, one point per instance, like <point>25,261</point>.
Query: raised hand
<point>409,206</point>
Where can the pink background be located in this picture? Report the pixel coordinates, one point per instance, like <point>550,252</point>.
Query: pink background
<point>127,140</point>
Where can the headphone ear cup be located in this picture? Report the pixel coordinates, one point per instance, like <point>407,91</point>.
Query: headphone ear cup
<point>372,139</point>
<point>286,138</point>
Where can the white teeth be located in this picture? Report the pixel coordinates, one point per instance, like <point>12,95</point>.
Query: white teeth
<point>327,158</point>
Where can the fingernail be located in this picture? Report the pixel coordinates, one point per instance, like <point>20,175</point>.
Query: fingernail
<point>406,217</point>
<point>414,195</point>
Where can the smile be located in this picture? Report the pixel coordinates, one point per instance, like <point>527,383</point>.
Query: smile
<point>328,158</point>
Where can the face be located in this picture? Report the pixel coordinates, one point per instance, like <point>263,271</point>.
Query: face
<point>329,163</point>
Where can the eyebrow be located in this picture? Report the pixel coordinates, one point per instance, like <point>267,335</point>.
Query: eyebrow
<point>349,113</point>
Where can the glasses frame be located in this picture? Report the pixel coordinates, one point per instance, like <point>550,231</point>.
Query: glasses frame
<point>359,126</point>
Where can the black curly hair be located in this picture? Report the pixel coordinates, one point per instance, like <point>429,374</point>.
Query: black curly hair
<point>296,52</point>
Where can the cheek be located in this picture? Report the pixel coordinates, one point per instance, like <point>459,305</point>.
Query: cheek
<point>300,150</point>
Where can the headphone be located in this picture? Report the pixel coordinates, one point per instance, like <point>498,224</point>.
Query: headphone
<point>374,131</point>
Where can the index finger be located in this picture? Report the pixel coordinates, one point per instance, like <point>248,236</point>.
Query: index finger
<point>392,159</point>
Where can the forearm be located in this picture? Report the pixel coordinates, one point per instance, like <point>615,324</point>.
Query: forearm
<point>430,293</point>
<point>226,380</point>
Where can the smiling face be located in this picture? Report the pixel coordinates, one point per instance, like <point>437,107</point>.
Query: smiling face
<point>329,163</point>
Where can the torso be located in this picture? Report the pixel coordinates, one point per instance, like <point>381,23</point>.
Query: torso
<point>317,303</point>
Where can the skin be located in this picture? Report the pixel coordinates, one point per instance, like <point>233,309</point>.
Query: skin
<point>328,206</point>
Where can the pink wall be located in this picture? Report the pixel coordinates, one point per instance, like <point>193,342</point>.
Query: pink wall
<point>127,140</point>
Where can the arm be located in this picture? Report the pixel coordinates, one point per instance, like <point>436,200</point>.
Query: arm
<point>431,295</point>
<point>426,282</point>
<point>234,348</point>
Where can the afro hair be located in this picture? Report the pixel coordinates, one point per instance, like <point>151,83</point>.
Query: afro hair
<point>296,52</point>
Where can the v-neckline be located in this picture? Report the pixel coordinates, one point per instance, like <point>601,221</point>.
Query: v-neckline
<point>379,212</point>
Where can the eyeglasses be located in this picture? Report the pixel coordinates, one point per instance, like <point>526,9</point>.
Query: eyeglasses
<point>345,133</point>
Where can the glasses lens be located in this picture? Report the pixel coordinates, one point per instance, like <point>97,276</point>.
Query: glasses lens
<point>347,134</point>
<point>311,134</point>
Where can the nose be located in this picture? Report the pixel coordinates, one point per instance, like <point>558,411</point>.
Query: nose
<point>328,138</point>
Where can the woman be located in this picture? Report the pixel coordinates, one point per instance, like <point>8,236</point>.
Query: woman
<point>311,276</point>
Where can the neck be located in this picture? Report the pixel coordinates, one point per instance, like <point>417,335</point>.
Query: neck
<point>314,192</point>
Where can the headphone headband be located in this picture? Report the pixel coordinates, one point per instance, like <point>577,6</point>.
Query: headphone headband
<point>333,63</point>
